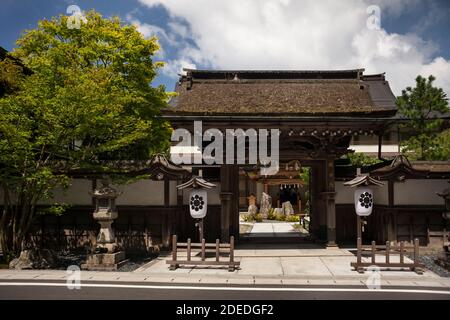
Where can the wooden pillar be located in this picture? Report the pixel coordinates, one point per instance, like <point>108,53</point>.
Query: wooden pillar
<point>316,204</point>
<point>380,144</point>
<point>229,199</point>
<point>331,205</point>
<point>391,193</point>
<point>166,191</point>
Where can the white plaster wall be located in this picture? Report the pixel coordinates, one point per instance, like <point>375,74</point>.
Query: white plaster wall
<point>344,195</point>
<point>381,194</point>
<point>213,195</point>
<point>419,192</point>
<point>142,192</point>
<point>76,194</point>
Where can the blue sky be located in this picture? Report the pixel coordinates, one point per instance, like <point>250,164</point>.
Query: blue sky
<point>273,34</point>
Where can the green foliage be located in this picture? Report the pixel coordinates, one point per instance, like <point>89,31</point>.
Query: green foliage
<point>87,99</point>
<point>442,149</point>
<point>305,174</point>
<point>258,217</point>
<point>252,217</point>
<point>360,159</point>
<point>248,217</point>
<point>292,218</point>
<point>11,74</point>
<point>55,209</point>
<point>271,215</point>
<point>280,217</point>
<point>421,106</point>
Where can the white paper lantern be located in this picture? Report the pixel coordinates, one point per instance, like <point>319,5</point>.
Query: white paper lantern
<point>198,201</point>
<point>363,201</point>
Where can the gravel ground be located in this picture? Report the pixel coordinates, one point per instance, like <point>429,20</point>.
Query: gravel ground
<point>428,261</point>
<point>65,259</point>
<point>134,263</point>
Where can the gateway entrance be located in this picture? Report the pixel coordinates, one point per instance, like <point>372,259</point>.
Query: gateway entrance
<point>275,208</point>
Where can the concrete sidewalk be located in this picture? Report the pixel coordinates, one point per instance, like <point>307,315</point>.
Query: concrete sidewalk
<point>260,265</point>
<point>359,280</point>
<point>288,265</point>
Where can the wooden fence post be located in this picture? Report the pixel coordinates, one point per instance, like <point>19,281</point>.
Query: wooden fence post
<point>217,249</point>
<point>373,252</point>
<point>388,248</point>
<point>174,265</point>
<point>203,250</point>
<point>231,266</point>
<point>416,268</point>
<point>189,249</point>
<point>402,249</point>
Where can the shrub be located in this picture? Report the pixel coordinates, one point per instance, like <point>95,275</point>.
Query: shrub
<point>293,218</point>
<point>258,218</point>
<point>280,217</point>
<point>271,215</point>
<point>248,218</point>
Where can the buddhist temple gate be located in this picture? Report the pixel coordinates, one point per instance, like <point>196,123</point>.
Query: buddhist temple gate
<point>317,113</point>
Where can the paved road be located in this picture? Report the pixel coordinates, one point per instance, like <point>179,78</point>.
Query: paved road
<point>58,290</point>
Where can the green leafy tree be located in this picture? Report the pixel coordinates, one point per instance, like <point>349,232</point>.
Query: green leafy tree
<point>360,159</point>
<point>88,99</point>
<point>421,106</point>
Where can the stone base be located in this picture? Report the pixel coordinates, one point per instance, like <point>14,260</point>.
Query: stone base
<point>331,245</point>
<point>104,261</point>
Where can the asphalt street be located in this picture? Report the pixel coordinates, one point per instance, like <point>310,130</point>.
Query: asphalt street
<point>57,290</point>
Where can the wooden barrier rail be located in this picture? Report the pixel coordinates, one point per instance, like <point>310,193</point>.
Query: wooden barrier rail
<point>388,251</point>
<point>218,248</point>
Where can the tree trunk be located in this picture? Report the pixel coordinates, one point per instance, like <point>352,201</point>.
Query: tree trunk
<point>15,223</point>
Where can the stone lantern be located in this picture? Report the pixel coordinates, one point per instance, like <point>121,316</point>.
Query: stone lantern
<point>105,213</point>
<point>106,255</point>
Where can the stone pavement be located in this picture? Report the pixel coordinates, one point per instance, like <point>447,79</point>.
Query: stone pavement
<point>260,265</point>
<point>229,278</point>
<point>322,263</point>
<point>273,229</point>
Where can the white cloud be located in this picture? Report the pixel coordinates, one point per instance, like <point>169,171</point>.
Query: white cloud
<point>285,34</point>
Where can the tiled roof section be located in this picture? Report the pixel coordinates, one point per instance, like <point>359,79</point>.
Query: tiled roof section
<point>209,92</point>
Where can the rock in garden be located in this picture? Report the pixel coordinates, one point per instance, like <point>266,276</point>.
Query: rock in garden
<point>287,208</point>
<point>266,205</point>
<point>278,211</point>
<point>34,259</point>
<point>252,209</point>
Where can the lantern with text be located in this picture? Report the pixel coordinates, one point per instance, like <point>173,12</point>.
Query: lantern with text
<point>363,196</point>
<point>198,199</point>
